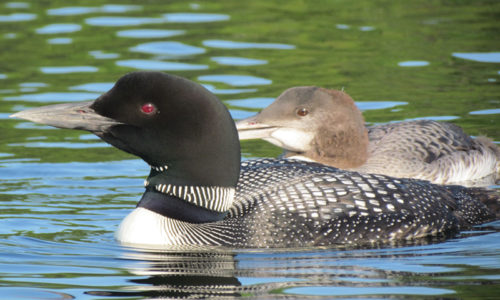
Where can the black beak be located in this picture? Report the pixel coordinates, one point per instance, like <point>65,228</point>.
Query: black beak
<point>78,115</point>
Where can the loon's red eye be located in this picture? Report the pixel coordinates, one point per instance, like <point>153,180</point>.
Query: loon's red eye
<point>148,108</point>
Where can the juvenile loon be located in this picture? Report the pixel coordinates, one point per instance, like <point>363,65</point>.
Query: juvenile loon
<point>198,193</point>
<point>325,126</point>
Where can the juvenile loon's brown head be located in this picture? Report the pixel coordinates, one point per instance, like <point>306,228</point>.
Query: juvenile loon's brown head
<point>320,124</point>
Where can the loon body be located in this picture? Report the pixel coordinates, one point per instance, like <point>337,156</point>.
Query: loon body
<point>198,192</point>
<point>325,126</point>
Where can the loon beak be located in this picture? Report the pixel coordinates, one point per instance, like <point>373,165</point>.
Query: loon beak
<point>250,128</point>
<point>68,115</point>
<point>287,137</point>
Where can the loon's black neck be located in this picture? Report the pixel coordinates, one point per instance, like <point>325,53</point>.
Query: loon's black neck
<point>182,199</point>
<point>176,208</point>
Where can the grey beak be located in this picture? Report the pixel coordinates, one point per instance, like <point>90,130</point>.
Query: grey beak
<point>68,115</point>
<point>251,128</point>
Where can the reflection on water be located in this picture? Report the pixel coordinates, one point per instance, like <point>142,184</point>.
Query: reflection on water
<point>235,80</point>
<point>59,28</point>
<point>369,105</point>
<point>366,28</point>
<point>33,84</point>
<point>486,111</point>
<point>60,41</point>
<point>80,10</point>
<point>68,69</point>
<point>238,61</point>
<point>149,33</point>
<point>244,45</point>
<point>217,91</point>
<point>54,97</point>
<point>313,272</point>
<point>59,145</point>
<point>171,18</point>
<point>121,21</point>
<point>98,54</point>
<point>170,49</point>
<point>251,102</point>
<point>194,17</point>
<point>97,87</point>
<point>17,5</point>
<point>157,65</point>
<point>17,17</point>
<point>491,57</point>
<point>413,63</point>
<point>63,193</point>
<point>434,118</point>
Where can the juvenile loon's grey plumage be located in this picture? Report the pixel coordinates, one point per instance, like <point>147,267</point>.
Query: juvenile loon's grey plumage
<point>198,193</point>
<point>326,126</point>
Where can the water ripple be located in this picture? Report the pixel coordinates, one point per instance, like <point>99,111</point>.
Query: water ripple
<point>236,80</point>
<point>53,97</point>
<point>376,290</point>
<point>238,114</point>
<point>60,41</point>
<point>251,102</point>
<point>17,17</point>
<point>215,90</point>
<point>17,5</point>
<point>492,111</point>
<point>366,28</point>
<point>433,118</point>
<point>98,54</point>
<point>65,145</point>
<point>244,45</point>
<point>149,33</point>
<point>238,61</point>
<point>98,87</point>
<point>413,63</point>
<point>68,69</point>
<point>158,65</point>
<point>487,57</point>
<point>171,18</point>
<point>33,84</point>
<point>71,11</point>
<point>371,105</point>
<point>168,48</point>
<point>59,28</point>
<point>80,10</point>
<point>194,17</point>
<point>108,21</point>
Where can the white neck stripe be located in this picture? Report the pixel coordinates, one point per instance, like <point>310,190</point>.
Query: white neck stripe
<point>212,197</point>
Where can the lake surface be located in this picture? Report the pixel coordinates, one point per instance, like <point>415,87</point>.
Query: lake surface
<point>63,193</point>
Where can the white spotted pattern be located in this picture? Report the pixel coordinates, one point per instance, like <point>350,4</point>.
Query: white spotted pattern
<point>287,203</point>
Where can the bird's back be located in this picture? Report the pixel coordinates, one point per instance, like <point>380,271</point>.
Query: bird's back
<point>286,203</point>
<point>430,150</point>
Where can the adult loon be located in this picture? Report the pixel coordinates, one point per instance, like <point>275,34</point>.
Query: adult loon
<point>198,192</point>
<point>325,126</point>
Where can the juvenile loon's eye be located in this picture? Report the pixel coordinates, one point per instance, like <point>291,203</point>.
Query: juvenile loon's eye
<point>148,108</point>
<point>302,112</point>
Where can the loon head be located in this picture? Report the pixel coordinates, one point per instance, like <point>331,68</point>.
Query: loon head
<point>321,124</point>
<point>178,127</point>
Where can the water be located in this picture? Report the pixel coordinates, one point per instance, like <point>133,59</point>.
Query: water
<point>63,193</point>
